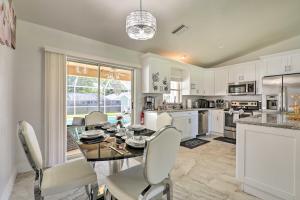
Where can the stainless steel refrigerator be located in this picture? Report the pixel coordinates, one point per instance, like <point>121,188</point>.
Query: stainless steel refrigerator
<point>281,93</point>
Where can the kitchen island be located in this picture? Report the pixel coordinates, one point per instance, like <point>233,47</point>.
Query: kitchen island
<point>268,156</point>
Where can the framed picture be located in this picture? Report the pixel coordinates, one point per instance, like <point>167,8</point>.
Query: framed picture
<point>8,22</point>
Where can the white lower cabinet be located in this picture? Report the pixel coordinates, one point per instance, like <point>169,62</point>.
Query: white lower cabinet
<point>187,123</point>
<point>216,121</point>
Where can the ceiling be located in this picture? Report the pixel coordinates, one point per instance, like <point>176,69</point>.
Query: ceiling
<point>219,30</point>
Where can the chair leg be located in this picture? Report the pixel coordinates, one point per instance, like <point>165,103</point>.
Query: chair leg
<point>94,191</point>
<point>107,194</point>
<point>37,193</point>
<point>87,190</point>
<point>169,188</point>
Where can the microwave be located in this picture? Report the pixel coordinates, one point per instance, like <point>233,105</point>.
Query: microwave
<point>242,88</point>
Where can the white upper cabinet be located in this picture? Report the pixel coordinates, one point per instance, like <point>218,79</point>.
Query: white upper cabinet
<point>294,63</point>
<point>261,71</point>
<point>283,63</point>
<point>208,86</point>
<point>193,82</point>
<point>156,74</point>
<point>243,72</point>
<point>276,65</point>
<point>221,81</point>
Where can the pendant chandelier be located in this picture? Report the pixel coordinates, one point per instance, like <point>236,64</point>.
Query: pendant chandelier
<point>140,24</point>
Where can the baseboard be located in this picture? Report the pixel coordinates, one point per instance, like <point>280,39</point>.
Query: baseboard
<point>23,167</point>
<point>9,186</point>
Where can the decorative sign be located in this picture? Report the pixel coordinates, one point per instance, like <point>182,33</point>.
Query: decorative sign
<point>8,22</point>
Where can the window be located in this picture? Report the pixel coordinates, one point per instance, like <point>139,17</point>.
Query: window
<point>96,87</point>
<point>175,93</point>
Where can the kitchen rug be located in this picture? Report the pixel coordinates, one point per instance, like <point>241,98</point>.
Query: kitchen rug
<point>193,143</point>
<point>225,139</point>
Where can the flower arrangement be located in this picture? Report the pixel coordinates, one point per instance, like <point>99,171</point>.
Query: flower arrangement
<point>119,121</point>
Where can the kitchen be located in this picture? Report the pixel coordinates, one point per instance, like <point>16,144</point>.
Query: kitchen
<point>231,101</point>
<point>206,92</point>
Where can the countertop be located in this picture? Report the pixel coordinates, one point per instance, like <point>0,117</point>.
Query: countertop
<point>181,110</point>
<point>277,120</point>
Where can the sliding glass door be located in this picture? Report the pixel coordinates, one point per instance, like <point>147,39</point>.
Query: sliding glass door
<point>96,87</point>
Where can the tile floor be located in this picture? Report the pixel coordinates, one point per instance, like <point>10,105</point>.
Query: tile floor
<point>203,173</point>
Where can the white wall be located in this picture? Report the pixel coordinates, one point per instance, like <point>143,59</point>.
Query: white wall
<point>31,39</point>
<point>286,45</point>
<point>7,124</point>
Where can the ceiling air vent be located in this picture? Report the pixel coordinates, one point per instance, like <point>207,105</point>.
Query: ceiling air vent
<point>180,29</point>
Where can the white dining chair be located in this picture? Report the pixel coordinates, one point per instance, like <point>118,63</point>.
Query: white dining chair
<point>59,178</point>
<point>150,179</point>
<point>163,119</point>
<point>95,118</point>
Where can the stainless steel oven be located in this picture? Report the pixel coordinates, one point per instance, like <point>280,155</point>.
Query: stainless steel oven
<point>243,88</point>
<point>230,125</point>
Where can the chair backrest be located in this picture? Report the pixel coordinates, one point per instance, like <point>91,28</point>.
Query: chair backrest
<point>30,145</point>
<point>160,154</point>
<point>78,121</point>
<point>163,119</point>
<point>95,118</point>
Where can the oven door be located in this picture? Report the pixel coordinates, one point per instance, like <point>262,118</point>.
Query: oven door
<point>229,122</point>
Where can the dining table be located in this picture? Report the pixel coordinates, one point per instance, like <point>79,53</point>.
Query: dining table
<point>111,148</point>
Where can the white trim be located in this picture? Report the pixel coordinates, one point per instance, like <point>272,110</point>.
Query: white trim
<point>284,53</point>
<point>90,57</point>
<point>9,186</point>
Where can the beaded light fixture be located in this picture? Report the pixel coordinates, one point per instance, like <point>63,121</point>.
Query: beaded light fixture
<point>140,24</point>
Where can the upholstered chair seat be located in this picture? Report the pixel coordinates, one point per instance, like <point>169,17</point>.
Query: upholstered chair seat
<point>59,178</point>
<point>65,177</point>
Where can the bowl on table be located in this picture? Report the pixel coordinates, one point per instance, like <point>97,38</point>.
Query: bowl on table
<point>137,141</point>
<point>136,127</point>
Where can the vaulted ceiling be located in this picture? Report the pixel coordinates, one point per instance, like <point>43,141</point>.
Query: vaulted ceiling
<point>219,30</point>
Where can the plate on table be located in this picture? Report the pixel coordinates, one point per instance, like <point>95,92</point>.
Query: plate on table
<point>136,127</point>
<point>137,142</point>
<point>111,130</point>
<point>92,134</point>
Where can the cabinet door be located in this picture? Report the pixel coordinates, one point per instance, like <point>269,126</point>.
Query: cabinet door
<point>221,81</point>
<point>235,74</point>
<point>217,121</point>
<point>220,121</point>
<point>182,124</point>
<point>194,124</point>
<point>276,65</point>
<point>294,64</point>
<point>158,75</point>
<point>208,83</point>
<point>248,71</point>
<point>261,71</point>
<point>214,122</point>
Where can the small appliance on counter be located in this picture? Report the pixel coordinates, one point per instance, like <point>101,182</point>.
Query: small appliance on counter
<point>203,103</point>
<point>149,103</point>
<point>220,103</point>
<point>211,104</point>
<point>189,103</point>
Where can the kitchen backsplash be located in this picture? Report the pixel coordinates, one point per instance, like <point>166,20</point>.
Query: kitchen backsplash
<point>226,98</point>
<point>159,98</point>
